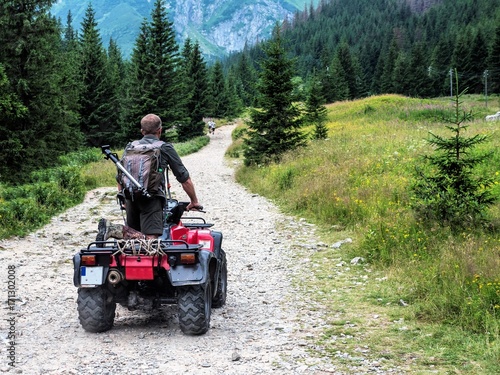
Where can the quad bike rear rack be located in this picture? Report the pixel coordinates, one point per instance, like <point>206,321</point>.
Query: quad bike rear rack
<point>137,247</point>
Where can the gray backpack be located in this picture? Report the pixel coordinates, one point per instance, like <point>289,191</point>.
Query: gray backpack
<point>142,161</point>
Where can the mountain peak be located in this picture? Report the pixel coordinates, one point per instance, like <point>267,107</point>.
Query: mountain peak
<point>220,26</point>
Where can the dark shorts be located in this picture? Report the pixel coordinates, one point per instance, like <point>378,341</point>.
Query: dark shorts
<point>145,215</point>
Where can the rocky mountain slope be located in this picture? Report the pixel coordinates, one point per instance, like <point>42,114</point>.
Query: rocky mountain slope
<point>220,26</point>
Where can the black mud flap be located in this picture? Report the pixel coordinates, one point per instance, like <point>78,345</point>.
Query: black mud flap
<point>195,274</point>
<point>217,242</point>
<point>76,270</point>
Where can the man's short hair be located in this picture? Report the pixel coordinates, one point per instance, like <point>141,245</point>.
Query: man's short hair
<point>150,123</point>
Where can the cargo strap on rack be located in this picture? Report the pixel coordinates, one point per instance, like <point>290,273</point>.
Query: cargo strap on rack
<point>140,247</point>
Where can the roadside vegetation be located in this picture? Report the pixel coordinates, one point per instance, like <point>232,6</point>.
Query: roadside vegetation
<point>440,281</point>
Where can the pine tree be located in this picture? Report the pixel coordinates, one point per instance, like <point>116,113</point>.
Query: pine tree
<point>479,55</point>
<point>274,127</point>
<point>156,82</point>
<point>248,77</point>
<point>70,35</point>
<point>338,82</point>
<point>361,78</point>
<point>30,52</point>
<point>165,89</point>
<point>327,84</point>
<point>234,102</point>
<point>469,59</point>
<point>325,76</point>
<point>387,84</point>
<point>316,113</point>
<point>440,67</point>
<point>10,106</point>
<point>451,193</point>
<point>350,75</point>
<point>419,79</point>
<point>11,111</point>
<point>136,101</point>
<point>401,75</point>
<point>186,53</point>
<point>377,74</point>
<point>116,74</point>
<point>197,87</point>
<point>97,96</point>
<point>217,92</point>
<point>71,83</point>
<point>494,64</point>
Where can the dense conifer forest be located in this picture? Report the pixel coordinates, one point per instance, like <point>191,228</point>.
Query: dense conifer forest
<point>409,47</point>
<point>62,89</point>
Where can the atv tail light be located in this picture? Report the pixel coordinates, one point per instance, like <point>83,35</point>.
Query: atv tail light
<point>188,258</point>
<point>88,260</point>
<point>205,244</point>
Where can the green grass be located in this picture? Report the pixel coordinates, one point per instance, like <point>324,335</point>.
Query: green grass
<point>357,184</point>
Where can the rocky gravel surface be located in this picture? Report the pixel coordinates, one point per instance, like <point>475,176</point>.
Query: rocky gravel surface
<point>267,326</point>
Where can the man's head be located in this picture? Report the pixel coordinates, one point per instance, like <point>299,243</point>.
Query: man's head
<point>150,124</point>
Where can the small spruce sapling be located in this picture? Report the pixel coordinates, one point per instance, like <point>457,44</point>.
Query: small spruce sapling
<point>448,192</point>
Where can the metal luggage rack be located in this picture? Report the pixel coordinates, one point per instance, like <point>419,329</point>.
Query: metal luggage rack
<point>141,247</point>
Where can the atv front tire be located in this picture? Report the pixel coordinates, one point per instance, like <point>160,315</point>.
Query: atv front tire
<point>96,309</point>
<point>195,305</point>
<point>220,297</point>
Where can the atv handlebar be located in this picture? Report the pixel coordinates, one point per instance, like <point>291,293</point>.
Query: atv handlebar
<point>184,205</point>
<point>175,209</point>
<point>198,208</point>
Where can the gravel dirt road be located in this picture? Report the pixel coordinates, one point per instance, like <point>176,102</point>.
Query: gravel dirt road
<point>258,331</point>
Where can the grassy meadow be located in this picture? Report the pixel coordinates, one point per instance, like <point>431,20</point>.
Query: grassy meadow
<point>444,285</point>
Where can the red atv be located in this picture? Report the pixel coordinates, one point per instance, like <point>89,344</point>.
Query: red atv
<point>185,266</point>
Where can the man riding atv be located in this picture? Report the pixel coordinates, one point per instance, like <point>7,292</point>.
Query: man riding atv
<point>158,258</point>
<point>145,214</point>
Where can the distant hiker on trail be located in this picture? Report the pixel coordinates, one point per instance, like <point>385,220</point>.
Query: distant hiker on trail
<point>211,127</point>
<point>147,160</point>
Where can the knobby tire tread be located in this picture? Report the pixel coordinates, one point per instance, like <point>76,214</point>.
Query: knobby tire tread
<point>195,303</point>
<point>96,309</point>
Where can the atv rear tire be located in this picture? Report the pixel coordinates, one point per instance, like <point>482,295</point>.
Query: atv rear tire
<point>195,305</point>
<point>220,297</point>
<point>96,309</point>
